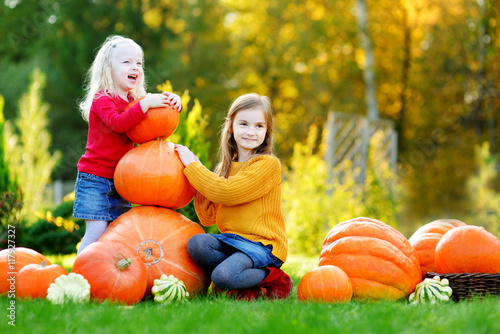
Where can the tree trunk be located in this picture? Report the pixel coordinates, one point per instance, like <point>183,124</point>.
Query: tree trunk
<point>369,71</point>
<point>477,110</point>
<point>405,75</point>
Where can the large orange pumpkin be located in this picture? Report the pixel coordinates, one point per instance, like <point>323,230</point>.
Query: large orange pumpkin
<point>114,271</point>
<point>426,238</point>
<point>325,284</point>
<point>152,174</point>
<point>33,280</point>
<point>468,249</point>
<point>12,260</point>
<point>160,237</point>
<point>378,259</point>
<point>159,122</point>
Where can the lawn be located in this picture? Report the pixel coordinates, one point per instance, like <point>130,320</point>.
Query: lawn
<point>211,314</point>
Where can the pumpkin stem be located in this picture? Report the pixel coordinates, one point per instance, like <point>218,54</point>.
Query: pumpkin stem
<point>123,264</point>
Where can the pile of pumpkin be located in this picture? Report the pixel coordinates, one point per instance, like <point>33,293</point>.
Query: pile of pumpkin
<point>144,251</point>
<point>361,259</point>
<point>364,258</point>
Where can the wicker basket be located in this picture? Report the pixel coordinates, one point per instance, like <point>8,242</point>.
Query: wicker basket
<point>466,286</point>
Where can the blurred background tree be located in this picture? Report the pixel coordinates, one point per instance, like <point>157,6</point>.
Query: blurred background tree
<point>10,192</point>
<point>28,147</point>
<point>436,69</point>
<point>483,196</point>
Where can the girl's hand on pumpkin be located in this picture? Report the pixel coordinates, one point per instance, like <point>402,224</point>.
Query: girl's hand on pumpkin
<point>153,101</point>
<point>174,100</point>
<point>185,155</point>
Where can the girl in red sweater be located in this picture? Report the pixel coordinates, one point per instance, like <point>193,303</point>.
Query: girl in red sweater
<point>243,197</point>
<point>115,79</point>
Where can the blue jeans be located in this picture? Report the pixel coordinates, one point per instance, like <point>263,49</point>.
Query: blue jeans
<point>261,255</point>
<point>96,198</point>
<point>231,261</point>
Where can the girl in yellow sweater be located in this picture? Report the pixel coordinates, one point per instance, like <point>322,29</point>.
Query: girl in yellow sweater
<point>243,197</point>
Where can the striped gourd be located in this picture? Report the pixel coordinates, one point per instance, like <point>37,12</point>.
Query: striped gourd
<point>169,289</point>
<point>431,290</point>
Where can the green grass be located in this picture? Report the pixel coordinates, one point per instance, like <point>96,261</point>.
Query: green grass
<point>219,315</point>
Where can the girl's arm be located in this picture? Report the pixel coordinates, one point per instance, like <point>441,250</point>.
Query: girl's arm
<point>107,110</point>
<point>256,180</point>
<point>206,210</point>
<point>185,155</point>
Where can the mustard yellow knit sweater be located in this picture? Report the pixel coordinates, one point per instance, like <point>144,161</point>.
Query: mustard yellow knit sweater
<point>247,203</point>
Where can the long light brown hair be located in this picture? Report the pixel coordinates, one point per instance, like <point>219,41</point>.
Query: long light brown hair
<point>228,149</point>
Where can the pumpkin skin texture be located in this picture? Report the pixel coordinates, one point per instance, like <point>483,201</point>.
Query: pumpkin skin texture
<point>160,236</point>
<point>159,122</point>
<point>23,257</point>
<point>468,249</point>
<point>378,259</point>
<point>426,238</point>
<point>152,174</point>
<point>110,276</point>
<point>328,284</point>
<point>33,280</point>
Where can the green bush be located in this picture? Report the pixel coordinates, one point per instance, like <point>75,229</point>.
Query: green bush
<point>28,147</point>
<point>11,199</point>
<point>54,232</point>
<point>484,198</point>
<point>313,204</point>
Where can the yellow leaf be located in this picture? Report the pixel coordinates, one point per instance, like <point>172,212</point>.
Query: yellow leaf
<point>59,221</point>
<point>39,214</point>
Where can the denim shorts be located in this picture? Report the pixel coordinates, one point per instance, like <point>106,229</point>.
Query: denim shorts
<point>96,198</point>
<point>261,255</point>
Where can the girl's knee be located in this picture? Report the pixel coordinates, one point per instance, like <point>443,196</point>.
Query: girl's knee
<point>196,243</point>
<point>222,278</point>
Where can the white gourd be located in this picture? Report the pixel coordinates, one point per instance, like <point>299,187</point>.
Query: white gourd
<point>69,288</point>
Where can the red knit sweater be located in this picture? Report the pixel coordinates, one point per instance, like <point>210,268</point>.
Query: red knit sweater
<point>107,142</point>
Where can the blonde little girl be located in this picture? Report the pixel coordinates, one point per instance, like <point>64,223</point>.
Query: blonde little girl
<point>115,79</point>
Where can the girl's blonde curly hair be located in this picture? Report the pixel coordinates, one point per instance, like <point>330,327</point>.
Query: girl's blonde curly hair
<point>98,77</point>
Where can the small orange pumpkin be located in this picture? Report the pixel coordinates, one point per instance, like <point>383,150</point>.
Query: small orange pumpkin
<point>468,249</point>
<point>12,260</point>
<point>114,271</point>
<point>159,236</point>
<point>152,174</point>
<point>327,283</point>
<point>159,122</point>
<point>33,280</point>
<point>426,238</point>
